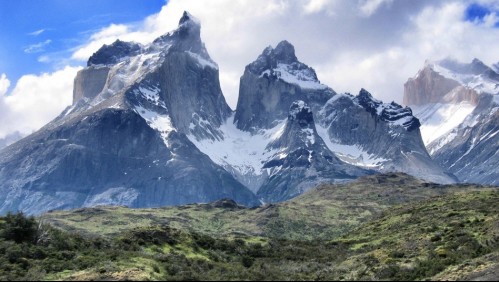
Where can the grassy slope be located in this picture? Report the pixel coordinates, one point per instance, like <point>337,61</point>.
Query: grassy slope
<point>451,236</point>
<point>324,213</point>
<point>425,239</point>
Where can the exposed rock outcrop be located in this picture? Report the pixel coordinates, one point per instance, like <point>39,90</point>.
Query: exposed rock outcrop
<point>302,159</point>
<point>271,84</point>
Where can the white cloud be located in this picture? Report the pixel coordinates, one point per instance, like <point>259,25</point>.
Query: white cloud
<point>35,100</point>
<point>37,32</point>
<point>105,36</point>
<point>315,6</point>
<point>4,84</point>
<point>38,47</point>
<point>369,7</point>
<point>44,59</point>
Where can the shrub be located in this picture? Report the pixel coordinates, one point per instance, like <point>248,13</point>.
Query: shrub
<point>247,261</point>
<point>19,228</point>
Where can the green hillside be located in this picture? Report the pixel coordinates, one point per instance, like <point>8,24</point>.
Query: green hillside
<point>385,227</point>
<point>324,213</point>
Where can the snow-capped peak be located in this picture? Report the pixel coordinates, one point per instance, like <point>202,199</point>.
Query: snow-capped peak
<point>188,17</point>
<point>114,53</point>
<point>281,63</point>
<point>392,113</point>
<point>285,52</point>
<point>475,75</point>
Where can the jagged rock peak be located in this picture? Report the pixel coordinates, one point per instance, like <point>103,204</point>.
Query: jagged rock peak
<point>301,113</point>
<point>392,113</point>
<point>189,25</point>
<point>367,100</point>
<point>451,82</point>
<point>285,52</point>
<point>300,130</point>
<point>112,54</point>
<point>281,63</point>
<point>187,17</point>
<point>476,67</point>
<point>187,37</point>
<point>282,54</point>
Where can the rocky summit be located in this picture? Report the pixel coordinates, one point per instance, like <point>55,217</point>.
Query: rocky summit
<point>123,141</point>
<point>149,126</point>
<point>457,104</point>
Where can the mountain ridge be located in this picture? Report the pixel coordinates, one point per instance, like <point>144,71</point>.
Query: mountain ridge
<point>172,139</point>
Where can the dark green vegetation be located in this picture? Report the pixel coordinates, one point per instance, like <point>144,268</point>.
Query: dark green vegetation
<point>324,213</point>
<point>452,236</point>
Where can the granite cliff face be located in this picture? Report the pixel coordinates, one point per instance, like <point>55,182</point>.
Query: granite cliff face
<point>271,84</point>
<point>264,146</point>
<point>384,137</point>
<point>427,87</point>
<point>110,157</point>
<point>448,81</point>
<point>471,150</point>
<point>123,141</point>
<point>173,76</point>
<point>302,159</point>
<point>457,104</point>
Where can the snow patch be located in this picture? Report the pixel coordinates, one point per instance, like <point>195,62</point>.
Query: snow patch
<point>158,122</point>
<point>351,154</point>
<point>439,119</point>
<point>202,61</point>
<point>443,141</point>
<point>245,152</point>
<point>151,94</point>
<point>303,78</point>
<point>115,196</point>
<point>310,136</point>
<point>479,83</point>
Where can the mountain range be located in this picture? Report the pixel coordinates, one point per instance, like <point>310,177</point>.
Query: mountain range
<point>149,126</point>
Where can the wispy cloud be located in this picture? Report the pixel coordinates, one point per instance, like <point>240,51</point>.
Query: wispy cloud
<point>38,47</point>
<point>44,59</point>
<point>369,7</point>
<point>36,33</point>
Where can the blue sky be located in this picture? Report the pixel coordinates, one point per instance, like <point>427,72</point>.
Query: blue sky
<point>34,29</point>
<point>477,12</point>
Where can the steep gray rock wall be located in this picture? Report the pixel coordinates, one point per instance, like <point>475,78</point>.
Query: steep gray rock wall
<point>111,157</point>
<point>89,82</point>
<point>125,143</point>
<point>192,95</point>
<point>114,53</point>
<point>384,131</point>
<point>473,154</point>
<point>265,93</point>
<point>303,160</point>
